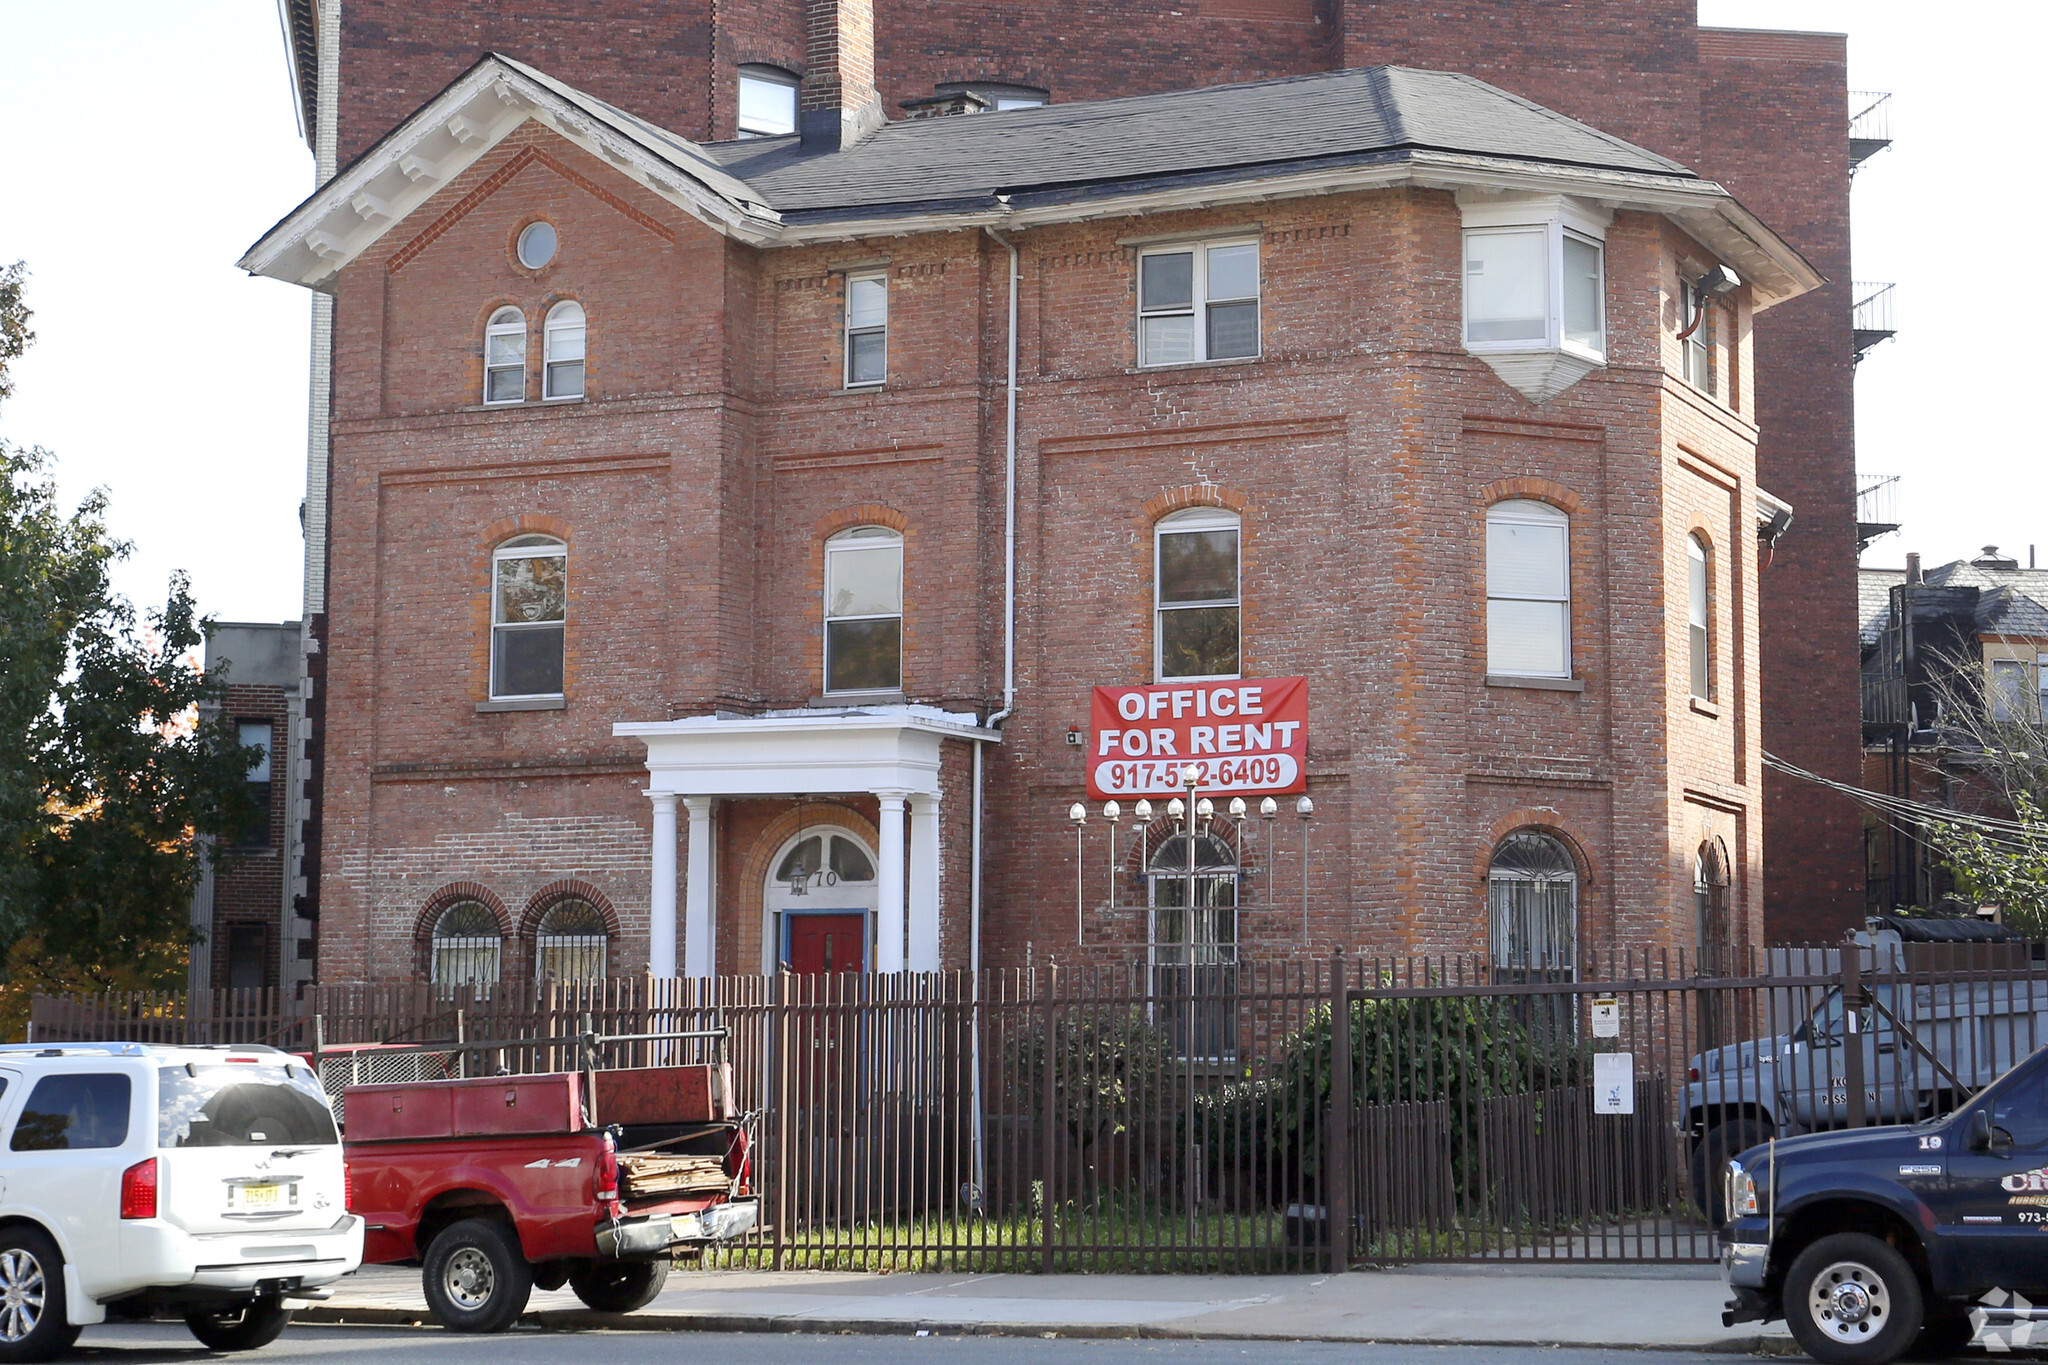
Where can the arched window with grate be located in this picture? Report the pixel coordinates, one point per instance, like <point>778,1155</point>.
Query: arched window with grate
<point>1194,946</point>
<point>464,948</point>
<point>1533,905</point>
<point>569,943</point>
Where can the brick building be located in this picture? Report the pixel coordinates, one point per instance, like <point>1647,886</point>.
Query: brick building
<point>690,466</point>
<point>253,932</point>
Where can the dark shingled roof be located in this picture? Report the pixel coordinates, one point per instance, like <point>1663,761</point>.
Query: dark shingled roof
<point>1186,132</point>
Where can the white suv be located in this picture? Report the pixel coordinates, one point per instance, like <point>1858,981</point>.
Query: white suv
<point>137,1180</point>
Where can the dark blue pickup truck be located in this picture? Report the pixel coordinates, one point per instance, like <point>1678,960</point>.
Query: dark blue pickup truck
<point>1876,1241</point>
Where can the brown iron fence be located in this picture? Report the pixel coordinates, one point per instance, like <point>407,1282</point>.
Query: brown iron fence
<point>1287,1115</point>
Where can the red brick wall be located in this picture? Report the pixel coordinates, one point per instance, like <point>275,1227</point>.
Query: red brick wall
<point>1361,450</point>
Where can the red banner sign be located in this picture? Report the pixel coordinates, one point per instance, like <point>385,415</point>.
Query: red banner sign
<point>1249,737</point>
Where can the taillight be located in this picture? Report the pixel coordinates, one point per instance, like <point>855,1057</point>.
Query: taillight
<point>1692,1073</point>
<point>608,1171</point>
<point>138,1190</point>
<point>348,1188</point>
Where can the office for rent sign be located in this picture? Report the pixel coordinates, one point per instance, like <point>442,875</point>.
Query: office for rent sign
<point>1249,737</point>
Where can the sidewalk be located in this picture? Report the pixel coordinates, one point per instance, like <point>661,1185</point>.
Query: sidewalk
<point>1633,1307</point>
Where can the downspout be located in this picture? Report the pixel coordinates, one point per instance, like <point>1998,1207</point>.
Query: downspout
<point>995,721</point>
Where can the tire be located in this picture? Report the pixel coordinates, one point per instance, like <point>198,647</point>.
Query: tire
<point>475,1277</point>
<point>1710,1157</point>
<point>242,1328</point>
<point>1852,1300</point>
<point>619,1286</point>
<point>32,1325</point>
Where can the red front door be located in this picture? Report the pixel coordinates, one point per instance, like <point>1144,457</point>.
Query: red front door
<point>820,943</point>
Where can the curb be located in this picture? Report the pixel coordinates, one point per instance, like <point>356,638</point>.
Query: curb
<point>571,1319</point>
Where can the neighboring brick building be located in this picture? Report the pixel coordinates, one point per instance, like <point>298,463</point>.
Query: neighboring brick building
<point>249,914</point>
<point>688,467</point>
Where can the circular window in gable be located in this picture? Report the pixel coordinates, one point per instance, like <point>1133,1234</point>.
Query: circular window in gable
<point>536,245</point>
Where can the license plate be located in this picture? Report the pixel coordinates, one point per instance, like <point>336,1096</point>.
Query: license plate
<point>260,1196</point>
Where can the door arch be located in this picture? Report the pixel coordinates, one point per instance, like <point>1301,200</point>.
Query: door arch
<point>819,902</point>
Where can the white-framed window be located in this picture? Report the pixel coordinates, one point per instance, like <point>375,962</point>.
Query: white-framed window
<point>529,615</point>
<point>1699,572</point>
<point>257,734</point>
<point>767,101</point>
<point>1528,590</point>
<point>569,942</point>
<point>505,357</point>
<point>2009,691</point>
<point>1696,356</point>
<point>1197,607</point>
<point>1535,278</point>
<point>1198,301</point>
<point>864,610</point>
<point>563,351</point>
<point>867,328</point>
<point>464,947</point>
<point>537,243</point>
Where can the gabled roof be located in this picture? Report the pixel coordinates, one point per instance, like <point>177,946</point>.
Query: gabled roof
<point>2009,602</point>
<point>1341,130</point>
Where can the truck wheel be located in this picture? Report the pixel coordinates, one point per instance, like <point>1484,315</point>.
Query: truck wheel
<point>475,1277</point>
<point>32,1325</point>
<point>619,1286</point>
<point>1852,1300</point>
<point>242,1328</point>
<point>1710,1157</point>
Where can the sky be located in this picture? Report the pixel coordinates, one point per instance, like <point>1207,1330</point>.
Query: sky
<point>145,145</point>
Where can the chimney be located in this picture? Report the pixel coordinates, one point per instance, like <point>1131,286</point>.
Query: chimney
<point>1913,567</point>
<point>837,105</point>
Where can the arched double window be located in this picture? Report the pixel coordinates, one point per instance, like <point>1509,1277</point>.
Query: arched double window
<point>505,357</point>
<point>570,941</point>
<point>464,947</point>
<point>1528,590</point>
<point>864,610</point>
<point>1198,608</point>
<point>1194,942</point>
<point>1532,892</point>
<point>562,368</point>
<point>529,615</point>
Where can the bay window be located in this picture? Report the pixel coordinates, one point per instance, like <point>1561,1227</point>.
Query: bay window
<point>1535,298</point>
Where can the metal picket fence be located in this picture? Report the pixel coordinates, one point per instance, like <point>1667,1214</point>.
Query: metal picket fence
<point>1139,1119</point>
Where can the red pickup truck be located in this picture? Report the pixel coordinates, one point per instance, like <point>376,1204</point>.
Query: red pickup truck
<point>592,1179</point>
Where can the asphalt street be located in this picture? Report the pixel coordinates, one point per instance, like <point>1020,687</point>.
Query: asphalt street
<point>153,1343</point>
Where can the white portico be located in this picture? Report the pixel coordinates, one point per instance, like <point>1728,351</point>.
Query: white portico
<point>890,752</point>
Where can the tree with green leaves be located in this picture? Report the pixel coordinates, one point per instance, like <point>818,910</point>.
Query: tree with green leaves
<point>109,778</point>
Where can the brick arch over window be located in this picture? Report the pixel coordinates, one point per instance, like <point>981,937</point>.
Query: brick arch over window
<point>1539,820</point>
<point>1168,501</point>
<point>568,889</point>
<point>1556,494</point>
<point>430,912</point>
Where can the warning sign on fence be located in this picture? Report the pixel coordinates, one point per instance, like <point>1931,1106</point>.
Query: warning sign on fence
<point>1614,1082</point>
<point>1606,1017</point>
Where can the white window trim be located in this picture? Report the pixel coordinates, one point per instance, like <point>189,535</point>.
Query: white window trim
<point>840,543</point>
<point>1520,518</point>
<point>848,331</point>
<point>547,351</point>
<point>1559,216</point>
<point>1696,549</point>
<point>1699,347</point>
<point>1181,523</point>
<point>494,328</point>
<point>556,549</point>
<point>765,75</point>
<point>1199,304</point>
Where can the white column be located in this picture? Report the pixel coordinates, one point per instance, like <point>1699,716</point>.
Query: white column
<point>889,882</point>
<point>924,882</point>
<point>700,943</point>
<point>661,918</point>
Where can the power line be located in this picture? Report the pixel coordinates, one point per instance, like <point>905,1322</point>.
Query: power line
<point>1912,815</point>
